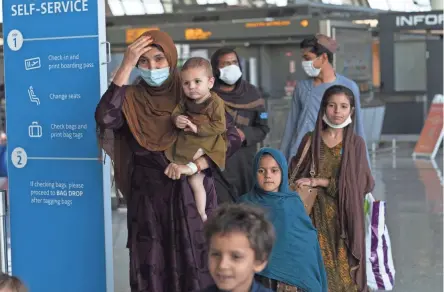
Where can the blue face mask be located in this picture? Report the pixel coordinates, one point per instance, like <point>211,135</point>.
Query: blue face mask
<point>155,77</point>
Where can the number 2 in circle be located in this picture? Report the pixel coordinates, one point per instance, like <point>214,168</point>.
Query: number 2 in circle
<point>19,157</point>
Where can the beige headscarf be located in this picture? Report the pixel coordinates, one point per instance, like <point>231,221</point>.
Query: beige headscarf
<point>148,109</point>
<point>148,114</point>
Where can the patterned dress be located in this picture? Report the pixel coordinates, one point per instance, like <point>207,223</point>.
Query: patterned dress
<point>325,218</point>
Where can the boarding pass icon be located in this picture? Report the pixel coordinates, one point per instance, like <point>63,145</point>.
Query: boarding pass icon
<point>33,63</point>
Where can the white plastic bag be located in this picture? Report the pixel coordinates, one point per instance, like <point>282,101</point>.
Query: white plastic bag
<point>379,261</point>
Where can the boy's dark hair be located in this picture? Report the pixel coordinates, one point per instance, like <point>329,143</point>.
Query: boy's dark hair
<point>198,62</point>
<point>11,283</point>
<point>316,48</point>
<point>246,219</point>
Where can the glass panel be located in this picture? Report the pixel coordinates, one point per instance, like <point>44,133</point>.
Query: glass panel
<point>133,7</point>
<point>400,5</point>
<point>409,5</point>
<point>232,2</point>
<point>337,2</point>
<point>168,7</point>
<point>410,66</point>
<point>151,7</point>
<point>116,7</point>
<point>229,2</point>
<point>379,4</point>
<point>281,3</point>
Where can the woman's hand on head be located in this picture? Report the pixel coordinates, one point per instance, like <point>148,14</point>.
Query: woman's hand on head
<point>136,50</point>
<point>175,171</point>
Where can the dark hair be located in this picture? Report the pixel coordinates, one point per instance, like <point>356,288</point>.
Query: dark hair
<point>12,283</point>
<point>154,46</point>
<point>316,48</point>
<point>224,51</point>
<point>338,89</point>
<point>216,57</point>
<point>157,46</point>
<point>246,219</point>
<point>198,62</point>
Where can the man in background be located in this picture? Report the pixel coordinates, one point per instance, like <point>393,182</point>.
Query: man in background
<point>317,62</point>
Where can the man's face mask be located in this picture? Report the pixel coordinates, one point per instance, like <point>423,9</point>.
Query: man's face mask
<point>155,77</point>
<point>310,69</point>
<point>230,74</point>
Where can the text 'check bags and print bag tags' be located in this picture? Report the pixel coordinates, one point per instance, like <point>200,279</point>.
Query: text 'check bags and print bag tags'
<point>379,260</point>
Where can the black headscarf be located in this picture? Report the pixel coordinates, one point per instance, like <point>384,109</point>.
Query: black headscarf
<point>244,95</point>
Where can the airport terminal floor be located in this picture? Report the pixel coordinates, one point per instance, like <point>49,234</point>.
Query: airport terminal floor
<point>413,192</point>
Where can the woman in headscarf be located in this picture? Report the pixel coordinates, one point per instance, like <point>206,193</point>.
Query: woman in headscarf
<point>165,238</point>
<point>247,107</point>
<point>342,178</point>
<point>295,264</point>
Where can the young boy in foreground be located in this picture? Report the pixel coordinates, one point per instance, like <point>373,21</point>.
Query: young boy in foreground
<point>11,284</point>
<point>240,240</point>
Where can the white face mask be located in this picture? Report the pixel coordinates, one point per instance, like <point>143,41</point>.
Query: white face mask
<point>230,74</point>
<point>309,69</point>
<point>340,126</point>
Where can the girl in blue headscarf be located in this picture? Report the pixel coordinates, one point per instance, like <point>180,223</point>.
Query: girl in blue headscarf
<point>295,263</point>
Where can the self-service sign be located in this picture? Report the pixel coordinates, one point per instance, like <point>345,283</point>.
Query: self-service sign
<point>55,73</point>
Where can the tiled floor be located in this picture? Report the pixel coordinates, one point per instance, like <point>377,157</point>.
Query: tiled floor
<point>121,261</point>
<point>414,194</point>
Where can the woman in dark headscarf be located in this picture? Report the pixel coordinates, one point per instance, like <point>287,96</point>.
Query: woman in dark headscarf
<point>343,178</point>
<point>295,264</point>
<point>245,104</point>
<point>165,238</point>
